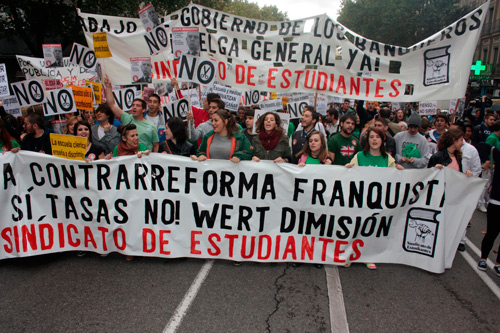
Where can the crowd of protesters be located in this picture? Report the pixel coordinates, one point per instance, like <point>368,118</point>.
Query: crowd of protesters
<point>363,133</point>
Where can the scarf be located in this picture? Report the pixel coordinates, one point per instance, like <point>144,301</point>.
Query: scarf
<point>124,150</point>
<point>269,140</point>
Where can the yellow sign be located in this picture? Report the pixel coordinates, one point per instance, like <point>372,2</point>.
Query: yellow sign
<point>97,87</point>
<point>101,47</point>
<point>68,146</point>
<point>83,98</point>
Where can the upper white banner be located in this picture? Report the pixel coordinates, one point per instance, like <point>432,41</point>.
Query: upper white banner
<point>316,54</point>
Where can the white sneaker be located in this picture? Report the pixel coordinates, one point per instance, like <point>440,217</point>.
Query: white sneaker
<point>482,208</point>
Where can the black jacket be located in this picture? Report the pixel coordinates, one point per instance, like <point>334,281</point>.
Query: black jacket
<point>442,157</point>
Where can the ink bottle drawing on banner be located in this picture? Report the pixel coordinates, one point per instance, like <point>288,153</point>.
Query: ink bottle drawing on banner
<point>436,66</point>
<point>421,231</point>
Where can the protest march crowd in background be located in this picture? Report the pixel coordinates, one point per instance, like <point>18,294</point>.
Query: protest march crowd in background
<point>351,133</point>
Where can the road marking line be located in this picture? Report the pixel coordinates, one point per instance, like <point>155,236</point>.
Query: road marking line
<point>338,316</point>
<point>478,252</point>
<point>486,279</point>
<point>183,307</point>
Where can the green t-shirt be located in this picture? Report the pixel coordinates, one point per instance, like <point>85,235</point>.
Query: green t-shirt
<point>148,133</point>
<point>370,160</point>
<point>12,142</point>
<point>493,140</point>
<point>312,160</point>
<point>343,148</point>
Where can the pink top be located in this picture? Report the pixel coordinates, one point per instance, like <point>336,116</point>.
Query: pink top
<point>454,164</point>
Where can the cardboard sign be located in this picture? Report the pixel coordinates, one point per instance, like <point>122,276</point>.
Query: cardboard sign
<point>4,82</point>
<point>272,105</point>
<point>53,56</point>
<point>194,69</point>
<point>83,98</point>
<point>178,108</point>
<point>230,96</point>
<point>29,92</point>
<point>101,47</point>
<point>68,146</point>
<point>125,97</point>
<point>11,105</point>
<point>157,40</point>
<point>97,89</point>
<point>186,40</point>
<point>296,107</point>
<point>140,69</point>
<point>427,108</point>
<point>148,16</point>
<point>59,101</point>
<point>252,97</point>
<point>83,57</point>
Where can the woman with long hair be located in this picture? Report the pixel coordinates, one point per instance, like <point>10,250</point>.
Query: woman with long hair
<point>69,129</point>
<point>94,152</point>
<point>225,141</point>
<point>176,139</point>
<point>270,143</point>
<point>314,151</point>
<point>449,152</point>
<point>374,152</point>
<point>374,155</point>
<point>130,144</point>
<point>7,142</point>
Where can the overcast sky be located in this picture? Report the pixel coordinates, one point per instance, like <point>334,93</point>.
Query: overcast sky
<point>298,9</point>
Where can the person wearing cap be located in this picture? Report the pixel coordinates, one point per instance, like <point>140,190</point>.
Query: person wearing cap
<point>412,149</point>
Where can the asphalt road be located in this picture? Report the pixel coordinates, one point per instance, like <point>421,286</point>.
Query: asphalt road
<point>66,293</point>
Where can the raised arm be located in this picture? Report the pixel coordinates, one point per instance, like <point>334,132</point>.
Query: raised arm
<point>110,99</point>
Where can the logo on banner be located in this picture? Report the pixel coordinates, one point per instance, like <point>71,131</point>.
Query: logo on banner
<point>421,231</point>
<point>436,66</point>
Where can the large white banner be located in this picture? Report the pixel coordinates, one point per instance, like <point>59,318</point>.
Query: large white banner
<point>169,206</point>
<point>315,54</point>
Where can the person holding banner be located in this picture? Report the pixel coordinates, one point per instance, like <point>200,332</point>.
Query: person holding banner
<point>314,151</point>
<point>7,142</point>
<point>270,143</point>
<point>225,141</point>
<point>105,134</point>
<point>449,152</point>
<point>176,139</point>
<point>343,146</point>
<point>199,132</point>
<point>130,144</point>
<point>94,152</point>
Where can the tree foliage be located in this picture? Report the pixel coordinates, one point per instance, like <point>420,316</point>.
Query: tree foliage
<point>38,22</point>
<point>399,22</point>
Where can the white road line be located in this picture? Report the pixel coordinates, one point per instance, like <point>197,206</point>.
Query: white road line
<point>183,307</point>
<point>338,316</point>
<point>486,279</point>
<point>474,249</point>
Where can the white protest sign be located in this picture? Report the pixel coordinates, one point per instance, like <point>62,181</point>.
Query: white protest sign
<point>427,108</point>
<point>124,98</point>
<point>11,105</point>
<point>262,212</point>
<point>263,56</point>
<point>59,101</point>
<point>179,108</point>
<point>456,106</point>
<point>338,100</point>
<point>83,57</point>
<point>157,39</point>
<point>191,94</point>
<point>69,75</point>
<point>195,69</point>
<point>140,69</point>
<point>186,40</point>
<point>296,107</point>
<point>230,96</point>
<point>4,81</point>
<point>252,97</point>
<point>29,92</point>
<point>396,106</point>
<point>148,16</point>
<point>271,105</point>
<point>53,56</point>
<point>321,105</point>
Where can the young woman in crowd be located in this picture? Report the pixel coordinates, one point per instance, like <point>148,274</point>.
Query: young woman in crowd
<point>270,143</point>
<point>449,152</point>
<point>94,152</point>
<point>70,125</point>
<point>225,141</point>
<point>7,142</point>
<point>492,222</point>
<point>400,116</point>
<point>176,139</point>
<point>375,155</point>
<point>88,116</point>
<point>314,151</point>
<point>130,144</point>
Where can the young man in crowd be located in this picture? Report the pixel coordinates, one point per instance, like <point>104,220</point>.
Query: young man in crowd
<point>148,134</point>
<point>249,120</point>
<point>298,138</point>
<point>105,134</point>
<point>202,129</point>
<point>332,122</point>
<point>482,131</point>
<point>37,138</point>
<point>418,156</point>
<point>343,146</point>
<point>155,115</point>
<point>441,123</point>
